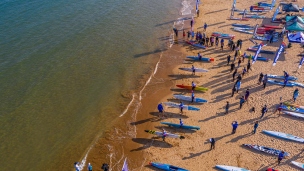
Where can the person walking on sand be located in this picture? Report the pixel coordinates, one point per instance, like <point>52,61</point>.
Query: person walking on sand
<point>234,126</point>
<point>238,86</point>
<point>247,93</point>
<point>260,78</point>
<point>216,41</point>
<point>184,34</point>
<point>265,81</point>
<point>181,107</point>
<point>280,157</point>
<point>239,62</point>
<point>193,85</point>
<point>256,125</point>
<point>160,108</point>
<point>228,59</point>
<point>191,23</point>
<point>212,142</point>
<point>207,41</point>
<point>90,167</point>
<point>227,107</point>
<point>181,123</point>
<point>105,167</point>
<point>232,66</point>
<point>233,75</point>
<point>242,101</point>
<point>264,110</point>
<point>222,44</point>
<point>295,94</point>
<point>205,26</point>
<point>192,96</point>
<point>244,71</point>
<point>280,108</point>
<point>233,90</point>
<point>193,70</point>
<point>239,77</point>
<point>248,67</point>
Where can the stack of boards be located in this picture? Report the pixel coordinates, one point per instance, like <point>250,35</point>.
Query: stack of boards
<point>293,110</point>
<point>290,82</point>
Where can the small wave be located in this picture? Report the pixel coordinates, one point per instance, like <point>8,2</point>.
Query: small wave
<point>125,111</point>
<point>83,161</point>
<point>187,8</point>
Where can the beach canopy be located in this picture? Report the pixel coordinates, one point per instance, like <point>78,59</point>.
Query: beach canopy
<point>294,23</point>
<point>296,37</point>
<point>290,7</point>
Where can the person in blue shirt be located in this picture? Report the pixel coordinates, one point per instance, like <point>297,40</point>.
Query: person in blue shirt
<point>238,86</point>
<point>205,26</point>
<point>295,94</point>
<point>160,109</point>
<point>181,107</point>
<point>90,167</point>
<point>181,122</point>
<point>193,70</point>
<point>234,126</point>
<point>256,124</point>
<point>280,157</point>
<point>199,56</point>
<point>192,97</point>
<point>242,101</point>
<point>193,85</point>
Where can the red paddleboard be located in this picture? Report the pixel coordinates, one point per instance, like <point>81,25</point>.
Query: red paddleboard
<point>265,28</point>
<point>259,8</point>
<point>270,26</point>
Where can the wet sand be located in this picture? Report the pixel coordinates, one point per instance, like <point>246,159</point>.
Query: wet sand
<point>193,152</point>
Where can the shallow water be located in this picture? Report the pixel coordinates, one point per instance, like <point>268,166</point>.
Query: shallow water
<point>68,68</point>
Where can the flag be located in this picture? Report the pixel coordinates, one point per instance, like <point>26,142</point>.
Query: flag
<point>301,62</point>
<point>280,50</point>
<point>125,166</point>
<point>273,4</point>
<point>196,6</point>
<point>257,53</point>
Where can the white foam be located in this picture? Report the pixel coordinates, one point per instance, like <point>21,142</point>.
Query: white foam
<point>125,111</point>
<point>83,161</point>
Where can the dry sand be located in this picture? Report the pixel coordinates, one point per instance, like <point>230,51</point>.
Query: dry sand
<point>193,152</point>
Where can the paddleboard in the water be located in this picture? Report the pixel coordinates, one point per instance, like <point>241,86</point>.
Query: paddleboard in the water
<point>294,114</point>
<point>189,98</point>
<point>176,105</point>
<point>168,135</point>
<point>230,168</point>
<point>298,164</point>
<point>196,69</point>
<point>283,136</point>
<point>181,126</point>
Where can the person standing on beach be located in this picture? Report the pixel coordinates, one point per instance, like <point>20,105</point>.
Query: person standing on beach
<point>295,94</point>
<point>244,71</point>
<point>188,34</point>
<point>197,12</point>
<point>160,108</point>
<point>232,66</point>
<point>242,101</point>
<point>207,41</point>
<point>233,90</point>
<point>192,34</point>
<point>181,107</point>
<point>216,41</point>
<point>105,167</point>
<point>193,70</point>
<point>191,23</point>
<point>281,156</point>
<point>90,167</point>
<point>205,26</point>
<point>76,165</point>
<point>199,56</point>
<point>233,75</point>
<point>238,86</point>
<point>193,85</point>
<point>192,97</point>
<point>239,62</point>
<point>256,125</point>
<point>261,78</point>
<point>280,108</point>
<point>234,126</point>
<point>222,44</point>
<point>241,42</point>
<point>265,81</point>
<point>175,31</point>
<point>233,47</point>
<point>264,110</point>
<point>239,77</point>
<point>228,59</point>
<point>247,93</point>
<point>164,134</point>
<point>212,142</point>
<point>248,66</point>
<point>227,107</point>
<point>181,123</point>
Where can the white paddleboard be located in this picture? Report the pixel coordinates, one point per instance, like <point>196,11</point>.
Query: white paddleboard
<point>300,165</point>
<point>230,168</point>
<point>294,114</point>
<point>284,136</point>
<point>196,69</point>
<point>176,105</point>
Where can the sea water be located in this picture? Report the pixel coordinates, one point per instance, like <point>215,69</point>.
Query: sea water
<point>68,68</point>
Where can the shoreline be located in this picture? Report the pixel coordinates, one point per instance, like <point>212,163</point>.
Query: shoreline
<point>193,152</point>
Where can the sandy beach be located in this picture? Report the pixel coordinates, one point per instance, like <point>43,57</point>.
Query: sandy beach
<point>193,152</point>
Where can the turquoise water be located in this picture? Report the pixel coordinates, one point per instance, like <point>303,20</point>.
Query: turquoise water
<point>68,68</point>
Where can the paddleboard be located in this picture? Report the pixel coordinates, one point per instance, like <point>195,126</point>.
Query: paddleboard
<point>196,69</point>
<point>230,168</point>
<point>160,134</point>
<point>271,26</point>
<point>281,77</point>
<point>176,105</point>
<point>256,16</point>
<point>293,105</point>
<point>281,83</point>
<point>259,58</point>
<point>189,98</point>
<point>196,44</point>
<point>298,84</point>
<point>294,109</point>
<point>300,165</point>
<point>264,149</point>
<point>243,28</point>
<point>240,19</point>
<point>242,25</point>
<point>203,58</point>
<point>243,31</point>
<point>294,114</point>
<point>166,167</point>
<point>283,136</point>
<point>179,126</point>
<point>223,35</point>
<point>190,87</point>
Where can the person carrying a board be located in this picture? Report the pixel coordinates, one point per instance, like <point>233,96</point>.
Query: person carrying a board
<point>295,94</point>
<point>212,142</point>
<point>264,110</point>
<point>181,107</point>
<point>234,126</point>
<point>193,85</point>
<point>164,134</point>
<point>227,107</point>
<point>192,96</point>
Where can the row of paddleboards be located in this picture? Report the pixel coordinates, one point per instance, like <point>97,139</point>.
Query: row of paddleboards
<point>168,167</point>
